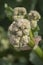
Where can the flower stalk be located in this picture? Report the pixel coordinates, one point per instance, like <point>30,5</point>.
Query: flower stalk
<point>35,47</point>
<point>38,51</point>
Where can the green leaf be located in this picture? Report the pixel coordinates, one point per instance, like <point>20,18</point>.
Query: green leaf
<point>35,59</point>
<point>8,11</point>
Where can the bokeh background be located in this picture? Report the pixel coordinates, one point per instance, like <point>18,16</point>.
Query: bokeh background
<point>9,56</point>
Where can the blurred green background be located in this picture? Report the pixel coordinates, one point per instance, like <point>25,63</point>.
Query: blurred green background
<point>9,56</point>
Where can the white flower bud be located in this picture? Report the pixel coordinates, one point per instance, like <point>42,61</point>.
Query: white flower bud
<point>34,15</point>
<point>16,40</point>
<point>19,33</point>
<point>23,24</point>
<point>24,41</point>
<point>19,12</point>
<point>26,31</point>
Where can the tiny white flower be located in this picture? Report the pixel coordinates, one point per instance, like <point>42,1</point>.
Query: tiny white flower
<point>19,33</point>
<point>14,29</point>
<point>26,31</point>
<point>11,38</point>
<point>16,40</point>
<point>25,39</point>
<point>10,27</point>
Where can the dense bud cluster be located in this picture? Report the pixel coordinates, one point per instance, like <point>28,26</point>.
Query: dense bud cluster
<point>34,16</point>
<point>19,12</point>
<point>19,30</point>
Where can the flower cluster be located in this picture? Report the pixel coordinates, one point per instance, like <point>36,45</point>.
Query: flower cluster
<point>34,16</point>
<point>19,12</point>
<point>19,33</point>
<point>19,30</point>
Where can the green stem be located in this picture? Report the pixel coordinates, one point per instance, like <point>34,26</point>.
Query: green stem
<point>8,12</point>
<point>32,42</point>
<point>8,7</point>
<point>38,51</point>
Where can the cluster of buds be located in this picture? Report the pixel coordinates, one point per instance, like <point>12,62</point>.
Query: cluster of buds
<point>34,17</point>
<point>19,12</point>
<point>19,30</point>
<point>19,33</point>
